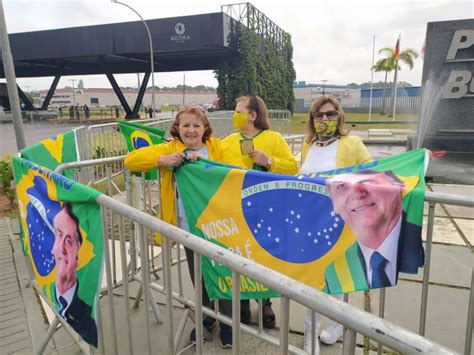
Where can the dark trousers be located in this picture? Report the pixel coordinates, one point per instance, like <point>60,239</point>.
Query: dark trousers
<point>225,306</point>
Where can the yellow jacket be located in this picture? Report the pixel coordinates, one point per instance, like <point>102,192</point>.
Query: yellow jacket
<point>350,151</point>
<point>145,159</point>
<point>273,145</point>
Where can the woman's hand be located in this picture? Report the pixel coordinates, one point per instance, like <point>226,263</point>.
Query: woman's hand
<point>175,159</point>
<point>194,156</point>
<point>260,158</point>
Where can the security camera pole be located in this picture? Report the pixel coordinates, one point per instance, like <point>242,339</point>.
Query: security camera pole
<point>11,82</point>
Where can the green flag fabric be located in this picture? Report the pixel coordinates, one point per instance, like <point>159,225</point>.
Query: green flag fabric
<point>53,151</point>
<point>138,136</point>
<point>311,228</point>
<point>61,229</point>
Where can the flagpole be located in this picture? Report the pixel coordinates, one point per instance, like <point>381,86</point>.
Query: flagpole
<point>394,101</point>
<point>371,78</point>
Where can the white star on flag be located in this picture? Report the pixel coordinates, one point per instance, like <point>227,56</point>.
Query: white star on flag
<point>277,240</point>
<point>297,230</point>
<point>249,203</point>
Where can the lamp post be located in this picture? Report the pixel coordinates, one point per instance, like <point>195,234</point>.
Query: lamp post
<point>151,55</point>
<point>324,86</point>
<point>73,91</point>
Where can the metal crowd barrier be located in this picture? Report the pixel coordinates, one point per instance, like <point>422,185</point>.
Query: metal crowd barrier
<point>122,222</point>
<point>105,140</point>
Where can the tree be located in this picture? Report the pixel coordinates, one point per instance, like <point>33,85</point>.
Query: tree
<point>387,64</point>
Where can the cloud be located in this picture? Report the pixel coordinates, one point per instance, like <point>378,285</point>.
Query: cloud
<point>332,40</point>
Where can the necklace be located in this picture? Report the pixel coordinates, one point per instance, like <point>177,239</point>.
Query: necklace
<point>320,143</point>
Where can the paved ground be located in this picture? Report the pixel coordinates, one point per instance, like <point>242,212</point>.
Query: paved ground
<point>23,322</point>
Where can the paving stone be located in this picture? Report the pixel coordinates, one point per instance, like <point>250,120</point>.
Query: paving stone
<point>444,231</point>
<point>467,227</point>
<point>12,329</point>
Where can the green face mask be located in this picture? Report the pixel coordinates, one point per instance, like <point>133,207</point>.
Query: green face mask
<point>239,119</point>
<point>326,128</point>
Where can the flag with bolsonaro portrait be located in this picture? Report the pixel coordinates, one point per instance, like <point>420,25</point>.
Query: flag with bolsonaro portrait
<point>317,229</point>
<point>61,229</point>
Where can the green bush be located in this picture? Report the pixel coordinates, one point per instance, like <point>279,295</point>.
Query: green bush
<point>6,179</point>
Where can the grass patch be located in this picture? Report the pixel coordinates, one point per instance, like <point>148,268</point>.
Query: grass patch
<point>298,122</point>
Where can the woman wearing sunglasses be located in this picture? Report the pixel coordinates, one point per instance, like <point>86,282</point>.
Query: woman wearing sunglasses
<point>328,146</point>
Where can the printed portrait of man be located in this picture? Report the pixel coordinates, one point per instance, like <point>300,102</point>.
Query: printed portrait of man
<point>68,241</point>
<point>370,203</point>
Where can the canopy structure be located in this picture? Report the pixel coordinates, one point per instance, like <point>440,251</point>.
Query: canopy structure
<point>198,42</point>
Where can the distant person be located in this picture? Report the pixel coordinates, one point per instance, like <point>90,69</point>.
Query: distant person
<point>60,111</point>
<point>77,112</point>
<point>150,112</point>
<point>117,113</point>
<point>71,113</point>
<point>370,203</point>
<point>68,241</point>
<point>146,112</point>
<point>86,111</point>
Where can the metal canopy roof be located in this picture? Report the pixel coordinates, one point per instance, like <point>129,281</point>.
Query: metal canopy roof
<point>197,42</point>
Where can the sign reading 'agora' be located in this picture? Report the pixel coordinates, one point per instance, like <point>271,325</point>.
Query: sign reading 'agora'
<point>446,118</point>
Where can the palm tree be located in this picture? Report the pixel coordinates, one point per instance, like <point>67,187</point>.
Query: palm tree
<point>408,57</point>
<point>387,66</point>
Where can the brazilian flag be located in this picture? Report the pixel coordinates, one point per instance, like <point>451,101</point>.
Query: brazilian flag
<point>291,224</point>
<point>138,136</point>
<point>53,152</point>
<point>60,226</point>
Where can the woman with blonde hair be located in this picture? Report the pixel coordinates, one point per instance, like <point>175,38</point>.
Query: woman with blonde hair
<point>328,146</point>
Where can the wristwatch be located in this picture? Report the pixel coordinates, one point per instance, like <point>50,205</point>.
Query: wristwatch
<point>269,163</point>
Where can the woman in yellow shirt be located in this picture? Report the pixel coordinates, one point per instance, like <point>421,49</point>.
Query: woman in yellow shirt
<point>328,146</point>
<point>192,131</point>
<point>259,149</point>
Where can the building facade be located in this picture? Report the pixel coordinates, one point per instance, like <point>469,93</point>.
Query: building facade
<point>106,97</point>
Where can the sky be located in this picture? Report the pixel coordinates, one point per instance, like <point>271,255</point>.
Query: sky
<point>332,40</point>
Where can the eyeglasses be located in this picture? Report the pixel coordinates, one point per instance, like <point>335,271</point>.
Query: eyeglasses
<point>332,114</point>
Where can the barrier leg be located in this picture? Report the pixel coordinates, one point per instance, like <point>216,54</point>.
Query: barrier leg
<point>181,326</point>
<point>349,342</point>
<point>145,282</point>
<point>381,314</point>
<point>51,330</point>
<point>235,313</point>
<point>198,301</point>
<point>169,291</point>
<point>284,322</point>
<point>426,269</point>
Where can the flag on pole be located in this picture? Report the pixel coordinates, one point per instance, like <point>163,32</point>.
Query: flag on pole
<point>396,51</point>
<point>54,151</point>
<point>138,136</point>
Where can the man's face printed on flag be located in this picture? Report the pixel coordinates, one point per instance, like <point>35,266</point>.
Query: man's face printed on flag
<point>366,200</point>
<point>65,250</point>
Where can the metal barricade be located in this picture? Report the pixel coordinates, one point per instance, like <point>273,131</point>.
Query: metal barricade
<point>132,229</point>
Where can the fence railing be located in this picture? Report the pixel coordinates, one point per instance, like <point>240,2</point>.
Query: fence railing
<point>141,227</point>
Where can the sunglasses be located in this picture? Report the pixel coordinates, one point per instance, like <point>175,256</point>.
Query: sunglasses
<point>329,114</point>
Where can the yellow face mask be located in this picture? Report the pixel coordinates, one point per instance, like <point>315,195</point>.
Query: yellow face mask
<point>239,119</point>
<point>325,128</point>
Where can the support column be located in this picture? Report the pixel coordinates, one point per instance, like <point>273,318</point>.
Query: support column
<point>51,91</point>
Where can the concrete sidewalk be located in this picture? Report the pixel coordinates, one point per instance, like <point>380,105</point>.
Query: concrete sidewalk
<point>23,324</point>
